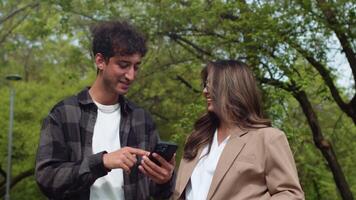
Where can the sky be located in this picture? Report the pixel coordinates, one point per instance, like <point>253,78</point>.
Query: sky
<point>337,60</point>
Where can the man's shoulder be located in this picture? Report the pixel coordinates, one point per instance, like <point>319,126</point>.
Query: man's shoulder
<point>68,101</point>
<point>74,100</point>
<point>133,106</point>
<point>138,110</point>
<point>65,107</point>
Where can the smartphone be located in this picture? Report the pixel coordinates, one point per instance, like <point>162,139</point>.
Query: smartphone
<point>164,149</point>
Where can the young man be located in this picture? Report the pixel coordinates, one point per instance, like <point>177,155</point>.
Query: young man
<point>90,142</point>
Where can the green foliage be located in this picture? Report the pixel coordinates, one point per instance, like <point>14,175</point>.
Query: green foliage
<point>49,45</point>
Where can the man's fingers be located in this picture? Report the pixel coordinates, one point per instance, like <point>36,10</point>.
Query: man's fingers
<point>131,157</point>
<point>125,168</point>
<point>139,152</point>
<point>128,161</point>
<point>143,170</point>
<point>150,163</point>
<point>173,160</point>
<point>152,168</point>
<point>163,161</point>
<point>165,164</point>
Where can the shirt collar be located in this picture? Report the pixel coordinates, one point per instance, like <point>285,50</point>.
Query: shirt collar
<point>85,99</point>
<point>242,131</point>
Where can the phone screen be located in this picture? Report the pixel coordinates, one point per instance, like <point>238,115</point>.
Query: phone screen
<point>164,149</point>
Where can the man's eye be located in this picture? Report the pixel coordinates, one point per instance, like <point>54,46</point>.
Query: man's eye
<point>123,64</point>
<point>136,67</point>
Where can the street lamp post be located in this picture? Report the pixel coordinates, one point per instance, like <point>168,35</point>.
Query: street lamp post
<point>10,78</point>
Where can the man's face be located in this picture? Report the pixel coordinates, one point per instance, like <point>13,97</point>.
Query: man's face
<point>119,72</point>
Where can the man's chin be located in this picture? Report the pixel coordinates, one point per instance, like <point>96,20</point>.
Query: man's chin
<point>122,91</point>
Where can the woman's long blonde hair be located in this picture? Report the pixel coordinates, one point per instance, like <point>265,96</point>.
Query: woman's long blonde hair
<point>236,101</point>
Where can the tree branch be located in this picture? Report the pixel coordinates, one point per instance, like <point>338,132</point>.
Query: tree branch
<point>334,24</point>
<point>3,174</point>
<point>322,144</point>
<point>186,83</point>
<point>199,56</point>
<point>84,15</point>
<point>279,84</point>
<point>229,16</point>
<point>16,180</point>
<point>325,74</point>
<point>15,12</point>
<point>9,31</point>
<point>175,37</point>
<point>159,115</point>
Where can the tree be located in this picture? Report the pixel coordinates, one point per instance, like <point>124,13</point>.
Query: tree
<point>286,44</point>
<point>273,37</point>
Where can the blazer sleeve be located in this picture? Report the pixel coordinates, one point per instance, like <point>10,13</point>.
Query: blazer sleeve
<point>281,173</point>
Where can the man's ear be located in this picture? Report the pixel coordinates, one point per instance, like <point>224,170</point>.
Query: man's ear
<point>100,61</point>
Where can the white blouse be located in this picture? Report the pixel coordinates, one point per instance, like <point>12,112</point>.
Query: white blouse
<point>199,184</point>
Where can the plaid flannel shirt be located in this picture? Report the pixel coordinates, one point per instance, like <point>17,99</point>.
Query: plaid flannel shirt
<point>65,165</point>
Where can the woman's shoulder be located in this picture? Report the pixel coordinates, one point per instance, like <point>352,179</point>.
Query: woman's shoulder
<point>270,132</point>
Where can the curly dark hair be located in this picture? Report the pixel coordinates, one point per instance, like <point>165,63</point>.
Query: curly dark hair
<point>112,38</point>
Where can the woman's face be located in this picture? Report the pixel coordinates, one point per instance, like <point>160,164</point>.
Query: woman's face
<point>209,100</point>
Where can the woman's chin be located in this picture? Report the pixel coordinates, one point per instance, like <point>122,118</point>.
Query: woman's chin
<point>210,108</point>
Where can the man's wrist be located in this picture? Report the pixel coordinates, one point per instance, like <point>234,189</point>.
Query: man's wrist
<point>96,164</point>
<point>103,158</point>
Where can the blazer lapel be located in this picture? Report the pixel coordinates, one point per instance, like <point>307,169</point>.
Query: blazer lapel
<point>187,172</point>
<point>232,149</point>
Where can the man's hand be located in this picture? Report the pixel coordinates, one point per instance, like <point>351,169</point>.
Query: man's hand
<point>123,158</point>
<point>159,174</point>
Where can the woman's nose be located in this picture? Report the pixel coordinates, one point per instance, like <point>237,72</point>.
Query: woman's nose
<point>205,92</point>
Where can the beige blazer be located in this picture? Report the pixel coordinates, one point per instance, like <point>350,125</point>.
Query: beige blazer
<point>254,165</point>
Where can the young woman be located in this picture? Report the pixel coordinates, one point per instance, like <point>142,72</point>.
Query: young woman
<point>233,152</point>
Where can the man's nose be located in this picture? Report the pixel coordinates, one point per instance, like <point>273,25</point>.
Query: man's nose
<point>131,73</point>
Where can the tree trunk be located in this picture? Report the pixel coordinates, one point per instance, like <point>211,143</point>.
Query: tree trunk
<point>323,145</point>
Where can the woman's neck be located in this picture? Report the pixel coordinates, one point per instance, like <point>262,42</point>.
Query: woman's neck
<point>225,130</point>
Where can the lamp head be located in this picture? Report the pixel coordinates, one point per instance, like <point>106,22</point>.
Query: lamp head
<point>13,77</point>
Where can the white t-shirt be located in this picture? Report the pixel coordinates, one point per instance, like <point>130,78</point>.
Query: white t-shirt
<point>199,184</point>
<point>106,137</point>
